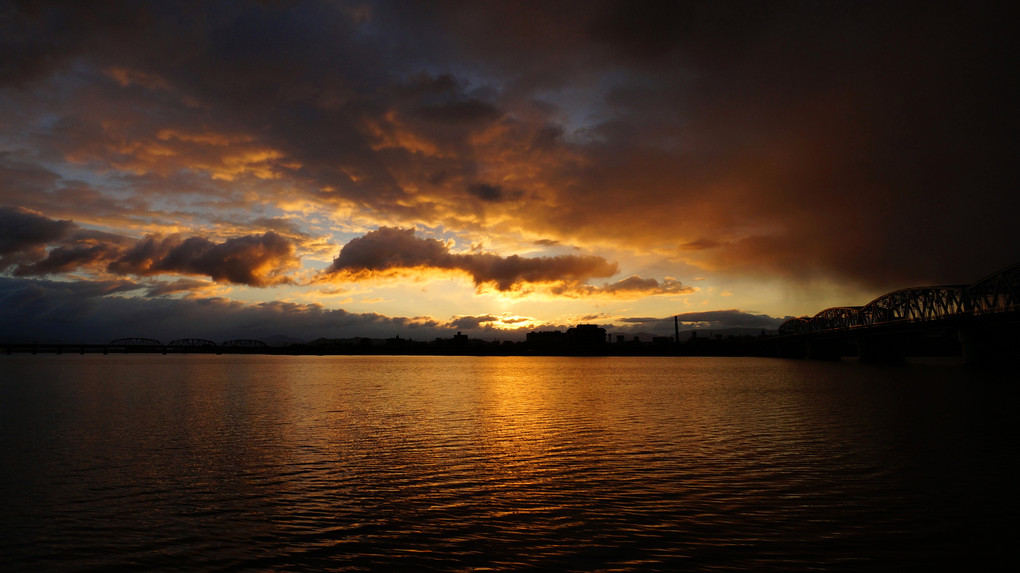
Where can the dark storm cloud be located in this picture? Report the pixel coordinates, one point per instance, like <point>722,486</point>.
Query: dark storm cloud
<point>34,188</point>
<point>729,318</point>
<point>472,322</point>
<point>866,141</point>
<point>256,260</point>
<point>19,292</point>
<point>21,180</point>
<point>389,249</point>
<point>38,37</point>
<point>24,235</point>
<point>39,310</point>
<point>98,311</point>
<point>630,287</point>
<point>74,248</point>
<point>287,68</point>
<point>486,192</point>
<point>468,111</point>
<point>161,288</point>
<point>862,140</point>
<point>637,284</point>
<point>50,310</point>
<point>33,244</point>
<point>491,327</point>
<point>713,318</point>
<point>67,259</point>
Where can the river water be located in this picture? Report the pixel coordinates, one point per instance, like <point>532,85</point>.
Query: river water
<point>502,463</point>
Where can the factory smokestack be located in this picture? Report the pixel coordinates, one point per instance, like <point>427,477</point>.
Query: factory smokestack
<point>676,328</point>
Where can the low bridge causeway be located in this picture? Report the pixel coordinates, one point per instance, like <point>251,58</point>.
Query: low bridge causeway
<point>142,345</point>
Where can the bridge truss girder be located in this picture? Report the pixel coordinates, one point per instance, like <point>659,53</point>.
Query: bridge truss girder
<point>795,325</point>
<point>916,303</point>
<point>244,343</point>
<point>999,292</point>
<point>191,343</point>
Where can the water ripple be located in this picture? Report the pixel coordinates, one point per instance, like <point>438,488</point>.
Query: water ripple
<point>352,463</point>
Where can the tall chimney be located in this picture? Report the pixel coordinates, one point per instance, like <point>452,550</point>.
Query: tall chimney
<point>676,328</point>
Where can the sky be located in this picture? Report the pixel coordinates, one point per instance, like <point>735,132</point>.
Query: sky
<point>333,169</point>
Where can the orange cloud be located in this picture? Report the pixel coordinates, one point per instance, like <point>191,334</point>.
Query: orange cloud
<point>628,288</point>
<point>127,77</point>
<point>391,249</point>
<point>256,260</point>
<point>701,134</point>
<point>33,244</point>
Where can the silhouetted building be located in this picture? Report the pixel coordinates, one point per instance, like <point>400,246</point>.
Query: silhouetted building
<point>546,338</point>
<point>586,335</point>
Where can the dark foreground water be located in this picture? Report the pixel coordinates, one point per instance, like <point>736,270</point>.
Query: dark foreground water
<point>437,463</point>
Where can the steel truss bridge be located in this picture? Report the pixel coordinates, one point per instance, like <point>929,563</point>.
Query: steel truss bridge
<point>977,314</point>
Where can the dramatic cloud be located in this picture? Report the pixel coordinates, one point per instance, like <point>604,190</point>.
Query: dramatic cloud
<point>24,235</point>
<point>258,260</point>
<point>389,249</point>
<point>486,192</point>
<point>630,287</point>
<point>50,310</point>
<point>472,322</point>
<point>65,259</point>
<point>36,245</point>
<point>488,323</point>
<point>178,286</point>
<point>729,318</point>
<point>85,312</point>
<point>785,139</point>
<point>811,149</point>
<point>781,138</point>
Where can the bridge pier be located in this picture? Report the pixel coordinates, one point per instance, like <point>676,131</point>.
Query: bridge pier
<point>878,349</point>
<point>970,346</point>
<point>989,346</point>
<point>791,348</point>
<point>824,349</point>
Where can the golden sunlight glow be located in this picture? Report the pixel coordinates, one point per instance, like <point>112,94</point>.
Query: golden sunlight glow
<point>584,180</point>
